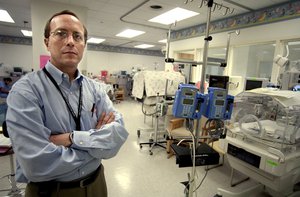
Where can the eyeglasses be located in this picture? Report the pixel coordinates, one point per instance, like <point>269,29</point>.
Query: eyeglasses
<point>60,34</point>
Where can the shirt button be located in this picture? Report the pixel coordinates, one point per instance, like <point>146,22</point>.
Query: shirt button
<point>81,142</point>
<point>83,172</point>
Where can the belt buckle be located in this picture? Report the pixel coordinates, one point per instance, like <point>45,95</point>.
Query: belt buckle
<point>82,183</point>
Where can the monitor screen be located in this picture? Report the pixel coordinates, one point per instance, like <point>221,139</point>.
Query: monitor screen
<point>18,70</point>
<point>123,72</point>
<point>218,81</point>
<point>252,84</point>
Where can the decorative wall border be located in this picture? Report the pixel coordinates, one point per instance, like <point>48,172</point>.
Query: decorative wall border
<point>92,47</point>
<point>115,49</point>
<point>15,40</point>
<point>280,12</point>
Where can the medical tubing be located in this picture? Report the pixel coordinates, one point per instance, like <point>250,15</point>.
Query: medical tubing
<point>189,125</point>
<point>145,113</point>
<point>247,130</point>
<point>218,125</point>
<point>194,161</point>
<point>206,171</point>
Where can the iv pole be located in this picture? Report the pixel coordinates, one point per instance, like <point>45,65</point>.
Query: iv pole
<point>207,38</point>
<point>202,79</point>
<point>203,63</point>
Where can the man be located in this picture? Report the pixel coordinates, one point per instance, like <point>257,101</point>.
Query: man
<point>5,87</point>
<point>61,123</point>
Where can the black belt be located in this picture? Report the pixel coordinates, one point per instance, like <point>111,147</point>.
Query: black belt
<point>47,186</point>
<point>85,181</point>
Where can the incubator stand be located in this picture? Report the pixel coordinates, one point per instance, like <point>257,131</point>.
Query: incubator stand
<point>263,140</point>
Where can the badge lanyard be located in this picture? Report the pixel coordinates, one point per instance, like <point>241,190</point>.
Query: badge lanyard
<point>76,118</point>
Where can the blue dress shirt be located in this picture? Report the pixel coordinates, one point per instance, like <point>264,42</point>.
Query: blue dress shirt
<point>5,87</point>
<point>36,110</point>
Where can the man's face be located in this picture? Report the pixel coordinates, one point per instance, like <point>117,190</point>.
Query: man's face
<point>7,82</point>
<point>66,42</point>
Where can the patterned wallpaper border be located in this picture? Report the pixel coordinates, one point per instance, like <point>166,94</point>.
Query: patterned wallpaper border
<point>92,47</point>
<point>280,12</point>
<point>127,50</point>
<point>15,40</point>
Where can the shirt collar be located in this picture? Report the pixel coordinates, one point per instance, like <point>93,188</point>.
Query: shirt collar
<point>59,76</point>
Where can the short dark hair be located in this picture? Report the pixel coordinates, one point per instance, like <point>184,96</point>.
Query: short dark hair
<point>68,12</point>
<point>7,79</point>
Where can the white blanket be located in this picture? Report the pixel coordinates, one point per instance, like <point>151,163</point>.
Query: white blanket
<point>154,82</point>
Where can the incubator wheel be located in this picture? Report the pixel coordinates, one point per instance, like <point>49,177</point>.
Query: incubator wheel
<point>217,195</point>
<point>141,146</point>
<point>151,153</point>
<point>138,132</point>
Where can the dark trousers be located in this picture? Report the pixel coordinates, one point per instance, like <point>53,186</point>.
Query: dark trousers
<point>95,189</point>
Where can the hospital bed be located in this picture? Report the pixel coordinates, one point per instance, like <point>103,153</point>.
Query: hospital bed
<point>151,83</point>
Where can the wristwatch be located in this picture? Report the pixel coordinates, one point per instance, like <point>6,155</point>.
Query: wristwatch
<point>71,138</point>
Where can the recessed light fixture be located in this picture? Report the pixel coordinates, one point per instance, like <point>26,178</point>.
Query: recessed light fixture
<point>95,40</point>
<point>144,46</point>
<point>5,17</point>
<point>156,7</point>
<point>26,33</point>
<point>176,14</point>
<point>130,33</point>
<point>218,55</point>
<point>163,41</point>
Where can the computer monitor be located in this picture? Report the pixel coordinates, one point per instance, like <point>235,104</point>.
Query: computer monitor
<point>18,70</point>
<point>123,72</point>
<point>253,83</point>
<point>218,81</point>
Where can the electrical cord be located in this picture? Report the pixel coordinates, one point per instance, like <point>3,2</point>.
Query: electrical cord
<point>194,171</point>
<point>190,127</point>
<point>214,127</point>
<point>206,171</point>
<point>148,114</point>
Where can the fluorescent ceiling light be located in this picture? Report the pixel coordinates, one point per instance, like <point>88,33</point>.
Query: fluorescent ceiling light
<point>5,17</point>
<point>291,43</point>
<point>95,40</point>
<point>144,46</point>
<point>218,54</point>
<point>177,14</point>
<point>163,41</point>
<point>130,33</point>
<point>26,33</point>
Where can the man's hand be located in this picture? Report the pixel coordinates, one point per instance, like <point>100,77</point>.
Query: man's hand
<point>105,119</point>
<point>61,139</point>
<point>65,140</point>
